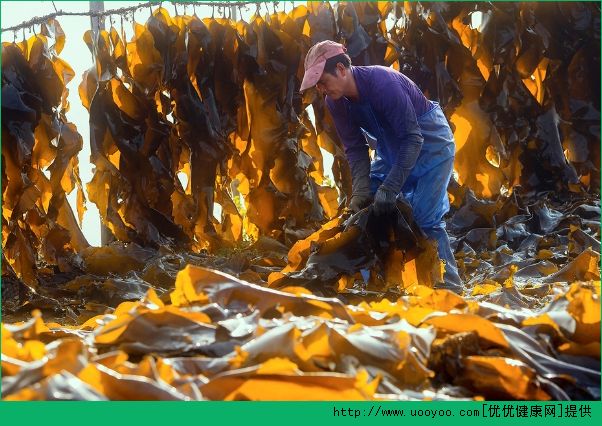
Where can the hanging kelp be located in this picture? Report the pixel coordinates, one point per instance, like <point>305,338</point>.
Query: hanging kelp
<point>40,233</point>
<point>131,139</point>
<point>225,93</point>
<point>191,101</point>
<point>512,111</point>
<point>198,89</point>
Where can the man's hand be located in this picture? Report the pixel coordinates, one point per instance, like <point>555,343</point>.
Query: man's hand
<point>358,202</point>
<point>384,201</point>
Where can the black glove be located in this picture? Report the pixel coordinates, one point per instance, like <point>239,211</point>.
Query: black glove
<point>385,198</point>
<point>360,183</point>
<point>384,201</point>
<point>359,202</point>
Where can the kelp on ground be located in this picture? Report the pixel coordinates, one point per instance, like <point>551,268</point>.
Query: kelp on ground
<point>527,326</point>
<point>222,338</point>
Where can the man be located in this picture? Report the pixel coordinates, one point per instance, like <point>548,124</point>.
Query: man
<point>379,107</point>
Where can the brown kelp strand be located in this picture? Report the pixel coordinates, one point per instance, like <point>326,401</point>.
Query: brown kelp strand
<point>213,101</point>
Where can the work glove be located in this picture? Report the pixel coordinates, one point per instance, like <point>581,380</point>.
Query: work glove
<point>360,184</point>
<point>385,198</point>
<point>359,202</point>
<point>384,201</point>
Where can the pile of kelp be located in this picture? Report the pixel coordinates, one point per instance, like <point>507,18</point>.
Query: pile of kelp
<point>298,324</point>
<point>280,293</point>
<point>218,337</point>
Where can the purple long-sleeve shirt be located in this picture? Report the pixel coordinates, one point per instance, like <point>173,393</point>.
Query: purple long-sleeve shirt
<point>397,104</point>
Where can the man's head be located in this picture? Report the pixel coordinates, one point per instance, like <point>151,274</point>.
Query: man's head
<point>327,67</point>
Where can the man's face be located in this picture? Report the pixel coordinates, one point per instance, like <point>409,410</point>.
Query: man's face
<point>332,85</point>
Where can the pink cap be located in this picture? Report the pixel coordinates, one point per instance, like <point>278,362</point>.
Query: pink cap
<point>315,60</point>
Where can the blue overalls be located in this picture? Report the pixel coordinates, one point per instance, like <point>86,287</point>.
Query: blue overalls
<point>426,187</point>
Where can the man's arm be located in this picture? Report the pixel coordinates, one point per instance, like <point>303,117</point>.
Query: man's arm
<point>392,103</point>
<point>349,132</point>
<point>356,150</point>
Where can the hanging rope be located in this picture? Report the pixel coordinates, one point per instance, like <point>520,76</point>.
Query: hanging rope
<point>122,32</point>
<point>120,11</point>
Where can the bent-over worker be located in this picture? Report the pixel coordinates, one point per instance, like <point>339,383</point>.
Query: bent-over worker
<point>414,146</point>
